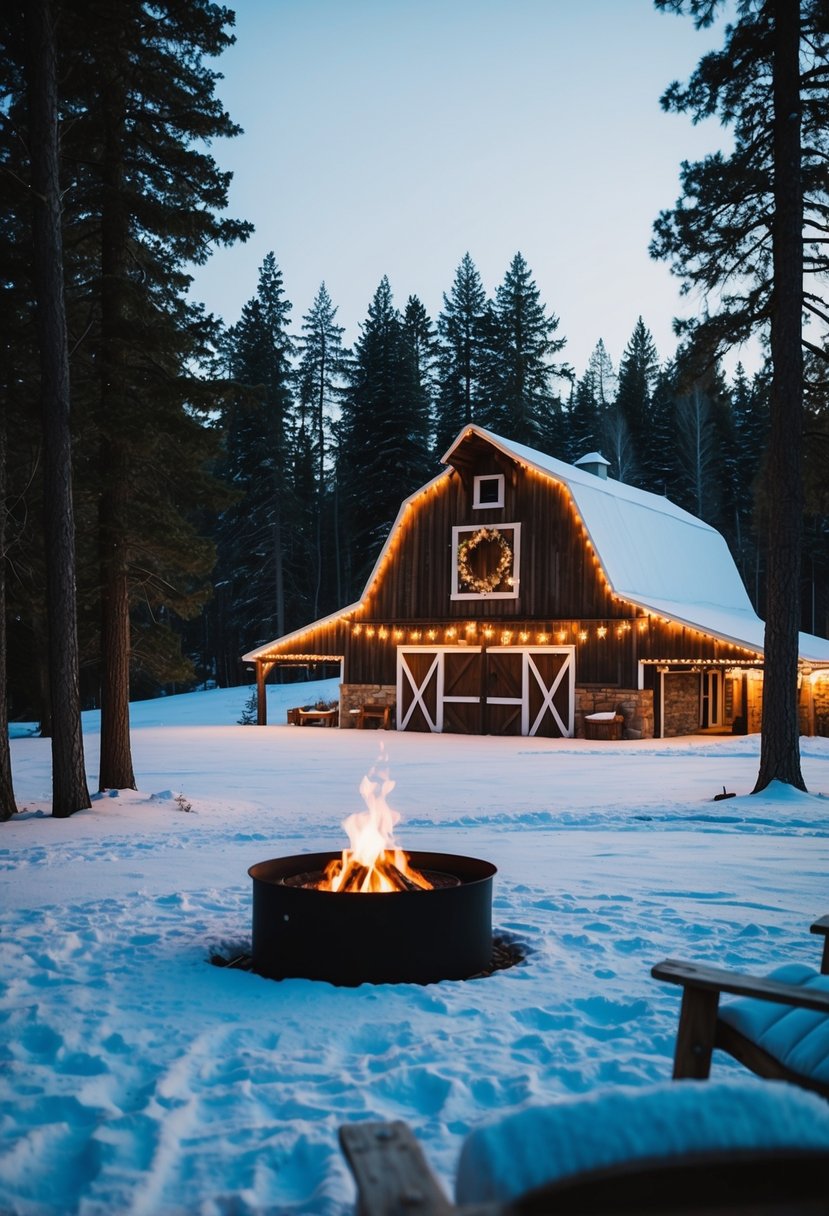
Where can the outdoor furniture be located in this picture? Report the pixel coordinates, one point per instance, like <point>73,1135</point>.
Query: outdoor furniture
<point>752,1147</point>
<point>603,726</point>
<point>317,717</point>
<point>381,714</point>
<point>779,1029</point>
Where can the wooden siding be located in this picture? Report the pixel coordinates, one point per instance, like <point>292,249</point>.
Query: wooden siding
<point>563,596</point>
<point>558,577</point>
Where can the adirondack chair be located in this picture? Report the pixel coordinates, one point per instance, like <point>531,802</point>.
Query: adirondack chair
<point>758,1148</point>
<point>780,1029</point>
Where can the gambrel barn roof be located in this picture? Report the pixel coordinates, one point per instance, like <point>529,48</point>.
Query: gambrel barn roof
<point>653,554</point>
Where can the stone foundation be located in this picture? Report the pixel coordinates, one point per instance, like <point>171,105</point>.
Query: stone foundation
<point>354,696</point>
<point>634,704</point>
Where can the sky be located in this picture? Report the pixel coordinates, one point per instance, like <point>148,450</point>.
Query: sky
<point>390,137</point>
<point>137,1078</point>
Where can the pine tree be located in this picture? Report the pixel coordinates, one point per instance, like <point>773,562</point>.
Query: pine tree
<point>319,378</point>
<point>254,534</point>
<point>592,399</point>
<point>69,788</point>
<point>419,349</point>
<point>383,451</point>
<point>520,403</point>
<point>138,101</point>
<point>637,376</point>
<point>664,461</point>
<point>746,231</point>
<point>460,357</point>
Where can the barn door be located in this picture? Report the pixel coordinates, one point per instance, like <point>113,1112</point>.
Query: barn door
<point>530,691</point>
<point>439,688</point>
<point>504,690</point>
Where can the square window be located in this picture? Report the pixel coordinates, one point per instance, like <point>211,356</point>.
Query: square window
<point>486,562</point>
<point>488,491</point>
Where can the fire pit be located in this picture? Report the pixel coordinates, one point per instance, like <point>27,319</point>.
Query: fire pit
<point>415,936</point>
<point>372,913</point>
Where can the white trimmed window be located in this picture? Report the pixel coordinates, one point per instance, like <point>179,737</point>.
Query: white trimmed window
<point>486,562</point>
<point>488,491</point>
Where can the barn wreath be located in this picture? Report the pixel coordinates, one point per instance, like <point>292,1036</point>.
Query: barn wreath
<point>484,583</point>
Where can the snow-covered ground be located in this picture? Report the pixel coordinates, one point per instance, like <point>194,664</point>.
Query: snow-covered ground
<point>137,1078</point>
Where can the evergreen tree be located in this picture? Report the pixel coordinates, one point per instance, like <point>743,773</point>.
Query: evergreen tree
<point>383,449</point>
<point>254,537</point>
<point>69,788</point>
<point>748,228</point>
<point>319,377</point>
<point>637,375</point>
<point>137,109</point>
<point>460,357</point>
<point>419,347</point>
<point>664,460</point>
<point>591,401</point>
<point>520,403</point>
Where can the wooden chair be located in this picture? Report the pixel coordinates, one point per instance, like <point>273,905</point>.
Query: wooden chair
<point>394,1179</point>
<point>381,714</point>
<point>790,1044</point>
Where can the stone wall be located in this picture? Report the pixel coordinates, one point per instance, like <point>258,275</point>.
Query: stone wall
<point>353,696</point>
<point>635,706</point>
<point>681,704</point>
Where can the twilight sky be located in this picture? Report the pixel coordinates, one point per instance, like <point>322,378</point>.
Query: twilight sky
<point>391,136</point>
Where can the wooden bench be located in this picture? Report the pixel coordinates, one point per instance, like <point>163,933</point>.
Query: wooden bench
<point>381,714</point>
<point>317,717</point>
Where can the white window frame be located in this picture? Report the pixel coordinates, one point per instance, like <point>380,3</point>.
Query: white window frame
<point>477,505</point>
<point>460,530</point>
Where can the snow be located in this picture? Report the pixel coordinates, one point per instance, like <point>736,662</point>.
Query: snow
<point>135,1077</point>
<point>544,1144</point>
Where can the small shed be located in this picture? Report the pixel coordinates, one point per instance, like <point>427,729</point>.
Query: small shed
<point>517,594</point>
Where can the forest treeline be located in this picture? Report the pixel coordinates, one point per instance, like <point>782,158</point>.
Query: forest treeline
<point>234,481</point>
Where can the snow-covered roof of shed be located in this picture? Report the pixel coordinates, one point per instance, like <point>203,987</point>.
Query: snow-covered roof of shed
<point>654,553</point>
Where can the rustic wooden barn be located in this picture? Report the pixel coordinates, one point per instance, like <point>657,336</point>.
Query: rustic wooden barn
<point>520,595</point>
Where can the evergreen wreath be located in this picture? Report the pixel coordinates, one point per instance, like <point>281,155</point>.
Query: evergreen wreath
<point>483,584</point>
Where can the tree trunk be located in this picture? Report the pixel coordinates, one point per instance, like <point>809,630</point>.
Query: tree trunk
<point>780,738</point>
<point>7,803</point>
<point>69,788</point>
<point>116,770</point>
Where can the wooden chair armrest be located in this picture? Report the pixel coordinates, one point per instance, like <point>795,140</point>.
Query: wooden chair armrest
<point>713,979</point>
<point>821,926</point>
<point>392,1175</point>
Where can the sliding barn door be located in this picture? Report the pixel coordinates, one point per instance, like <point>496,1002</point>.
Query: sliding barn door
<point>503,690</point>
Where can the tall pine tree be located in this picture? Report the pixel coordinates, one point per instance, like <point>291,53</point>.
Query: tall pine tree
<point>319,381</point>
<point>520,402</point>
<point>383,450</point>
<point>637,376</point>
<point>255,532</point>
<point>748,232</point>
<point>460,357</point>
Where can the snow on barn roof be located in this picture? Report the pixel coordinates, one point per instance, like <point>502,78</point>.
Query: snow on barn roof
<point>655,554</point>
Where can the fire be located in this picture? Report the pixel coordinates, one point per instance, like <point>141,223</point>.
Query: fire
<point>374,862</point>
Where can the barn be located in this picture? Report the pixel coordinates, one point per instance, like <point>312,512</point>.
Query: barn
<point>520,595</point>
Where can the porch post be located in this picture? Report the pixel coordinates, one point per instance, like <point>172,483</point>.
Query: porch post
<point>261,701</point>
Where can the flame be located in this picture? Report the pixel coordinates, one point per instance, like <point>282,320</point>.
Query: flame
<point>374,862</point>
